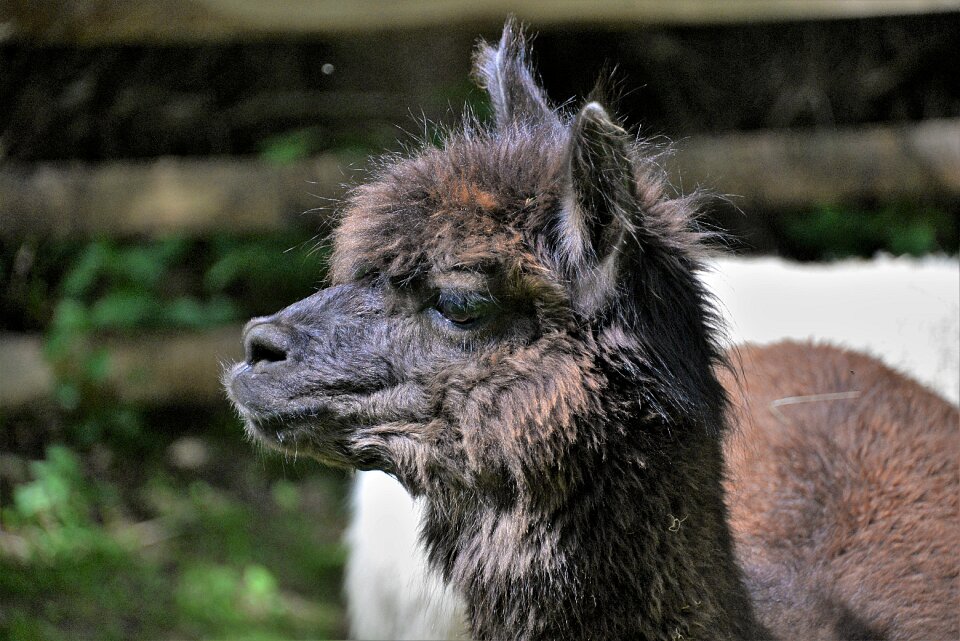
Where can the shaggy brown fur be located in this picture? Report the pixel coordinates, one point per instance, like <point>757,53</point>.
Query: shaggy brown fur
<point>515,330</point>
<point>843,480</point>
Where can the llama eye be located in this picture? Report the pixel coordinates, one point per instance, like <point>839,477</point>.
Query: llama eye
<point>462,313</point>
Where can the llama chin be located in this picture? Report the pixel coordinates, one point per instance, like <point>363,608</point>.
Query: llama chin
<point>517,330</point>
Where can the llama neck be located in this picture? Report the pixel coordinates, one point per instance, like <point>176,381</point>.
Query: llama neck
<point>641,550</point>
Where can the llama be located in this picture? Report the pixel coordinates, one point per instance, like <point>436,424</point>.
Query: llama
<point>905,311</point>
<point>515,330</point>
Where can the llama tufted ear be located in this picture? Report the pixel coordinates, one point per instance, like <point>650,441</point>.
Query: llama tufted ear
<point>504,73</point>
<point>601,199</point>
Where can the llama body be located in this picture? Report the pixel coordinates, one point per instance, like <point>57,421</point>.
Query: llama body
<point>516,331</point>
<point>905,311</point>
<point>838,530</point>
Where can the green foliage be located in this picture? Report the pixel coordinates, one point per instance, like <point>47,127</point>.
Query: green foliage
<point>172,284</point>
<point>114,287</point>
<point>110,287</point>
<point>107,539</point>
<point>269,272</point>
<point>291,146</point>
<point>835,232</point>
<point>205,561</point>
<point>54,511</point>
<point>71,569</point>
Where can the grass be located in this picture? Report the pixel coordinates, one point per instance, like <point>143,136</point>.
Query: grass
<point>203,539</point>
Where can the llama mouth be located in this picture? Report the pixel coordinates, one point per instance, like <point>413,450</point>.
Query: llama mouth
<point>256,402</point>
<point>322,425</point>
<point>316,427</point>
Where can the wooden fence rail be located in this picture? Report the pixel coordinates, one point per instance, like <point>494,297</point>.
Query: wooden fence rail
<point>97,22</point>
<point>164,196</point>
<point>760,169</point>
<point>148,368</point>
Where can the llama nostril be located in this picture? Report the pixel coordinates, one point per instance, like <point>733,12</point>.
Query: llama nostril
<point>265,342</point>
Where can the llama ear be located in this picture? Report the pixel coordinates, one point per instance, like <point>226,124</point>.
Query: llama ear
<point>601,198</point>
<point>504,73</point>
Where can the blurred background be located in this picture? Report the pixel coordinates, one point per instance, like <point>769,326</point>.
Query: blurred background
<point>169,168</point>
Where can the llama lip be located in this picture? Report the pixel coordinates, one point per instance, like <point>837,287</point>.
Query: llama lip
<point>259,393</point>
<point>239,381</point>
<point>255,401</point>
<point>298,434</point>
<point>275,430</point>
<point>312,428</point>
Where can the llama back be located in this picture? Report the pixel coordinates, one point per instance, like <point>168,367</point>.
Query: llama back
<point>844,496</point>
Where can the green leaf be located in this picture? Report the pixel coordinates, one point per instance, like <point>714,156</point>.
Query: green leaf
<point>124,309</point>
<point>88,268</point>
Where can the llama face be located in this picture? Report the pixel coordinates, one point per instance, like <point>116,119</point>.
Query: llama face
<point>485,301</point>
<point>448,347</point>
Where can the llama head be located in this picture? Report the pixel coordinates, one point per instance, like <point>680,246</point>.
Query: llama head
<point>499,307</point>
